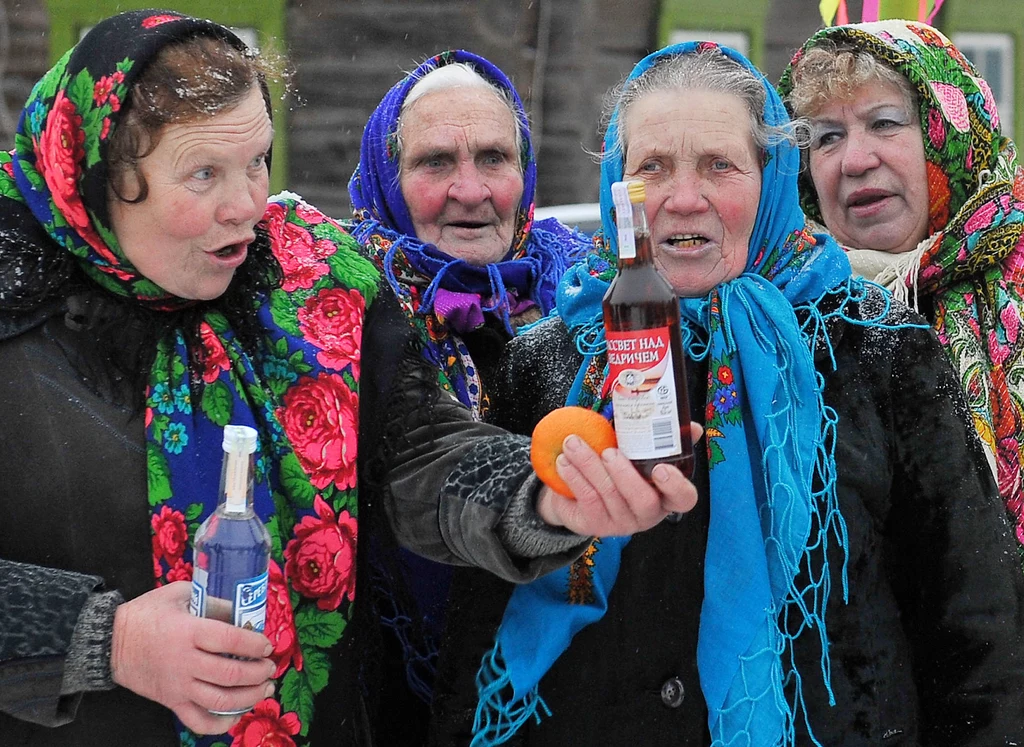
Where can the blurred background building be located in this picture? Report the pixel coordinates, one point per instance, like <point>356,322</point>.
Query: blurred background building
<point>563,55</point>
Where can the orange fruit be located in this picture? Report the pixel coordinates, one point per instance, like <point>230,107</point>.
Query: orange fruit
<point>553,429</point>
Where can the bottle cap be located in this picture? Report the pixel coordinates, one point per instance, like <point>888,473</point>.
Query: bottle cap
<point>239,439</point>
<point>637,192</point>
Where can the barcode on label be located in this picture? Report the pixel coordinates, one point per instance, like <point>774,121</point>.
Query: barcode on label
<point>661,430</point>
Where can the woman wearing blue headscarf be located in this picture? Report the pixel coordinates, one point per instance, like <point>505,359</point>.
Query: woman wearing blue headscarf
<point>847,576</point>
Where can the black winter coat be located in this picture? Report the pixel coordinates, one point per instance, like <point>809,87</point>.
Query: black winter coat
<point>927,651</point>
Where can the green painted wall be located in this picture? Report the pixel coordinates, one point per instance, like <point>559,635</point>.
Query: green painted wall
<point>69,17</point>
<point>999,17</point>
<point>749,16</point>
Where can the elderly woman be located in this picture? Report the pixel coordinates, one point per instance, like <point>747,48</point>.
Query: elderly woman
<point>444,195</point>
<point>847,576</point>
<point>149,295</point>
<point>909,170</point>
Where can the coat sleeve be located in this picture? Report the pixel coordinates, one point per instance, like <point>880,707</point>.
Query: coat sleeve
<point>54,641</point>
<point>454,490</point>
<point>959,574</point>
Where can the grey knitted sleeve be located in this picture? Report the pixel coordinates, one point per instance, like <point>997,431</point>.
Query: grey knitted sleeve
<point>87,665</point>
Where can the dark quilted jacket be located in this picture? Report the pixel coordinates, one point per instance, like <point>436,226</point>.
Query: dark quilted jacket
<point>926,652</point>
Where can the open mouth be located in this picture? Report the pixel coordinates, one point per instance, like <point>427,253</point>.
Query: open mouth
<point>687,240</point>
<point>867,198</point>
<point>231,250</point>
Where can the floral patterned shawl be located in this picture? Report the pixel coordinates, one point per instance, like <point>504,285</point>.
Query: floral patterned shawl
<point>972,264</point>
<point>300,390</point>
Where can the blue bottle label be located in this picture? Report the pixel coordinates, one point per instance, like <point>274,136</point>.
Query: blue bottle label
<point>197,605</point>
<point>251,603</point>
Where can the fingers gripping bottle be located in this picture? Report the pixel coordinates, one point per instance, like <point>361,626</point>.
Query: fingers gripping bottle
<point>646,367</point>
<point>232,547</point>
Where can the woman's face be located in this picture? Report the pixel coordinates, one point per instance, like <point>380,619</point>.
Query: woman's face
<point>460,173</point>
<point>208,187</point>
<point>696,155</point>
<point>868,167</point>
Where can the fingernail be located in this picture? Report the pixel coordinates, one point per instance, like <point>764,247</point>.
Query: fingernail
<point>660,473</point>
<point>561,461</point>
<point>571,443</point>
<point>268,690</point>
<point>268,650</point>
<point>609,454</point>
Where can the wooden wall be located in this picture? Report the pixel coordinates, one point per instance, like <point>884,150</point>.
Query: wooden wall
<point>563,55</point>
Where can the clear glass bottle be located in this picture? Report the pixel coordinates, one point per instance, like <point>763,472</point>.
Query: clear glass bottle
<point>646,364</point>
<point>232,547</point>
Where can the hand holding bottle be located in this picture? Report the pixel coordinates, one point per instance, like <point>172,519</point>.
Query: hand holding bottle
<point>613,498</point>
<point>163,653</point>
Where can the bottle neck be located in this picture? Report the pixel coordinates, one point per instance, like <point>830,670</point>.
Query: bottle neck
<point>635,238</point>
<point>237,479</point>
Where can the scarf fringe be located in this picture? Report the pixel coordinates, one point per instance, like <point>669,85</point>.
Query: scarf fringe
<point>497,720</point>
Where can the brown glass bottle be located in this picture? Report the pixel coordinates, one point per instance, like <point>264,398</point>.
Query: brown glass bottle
<point>647,367</point>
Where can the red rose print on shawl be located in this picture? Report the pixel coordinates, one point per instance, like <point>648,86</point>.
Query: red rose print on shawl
<point>320,418</point>
<point>170,536</point>
<point>310,215</point>
<point>280,625</point>
<point>320,561</point>
<point>215,359</point>
<point>60,151</point>
<point>300,255</point>
<point>152,21</point>
<point>181,571</point>
<point>264,726</point>
<point>333,321</point>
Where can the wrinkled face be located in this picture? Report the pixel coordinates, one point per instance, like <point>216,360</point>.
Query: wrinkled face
<point>460,173</point>
<point>208,187</point>
<point>696,155</point>
<point>868,167</point>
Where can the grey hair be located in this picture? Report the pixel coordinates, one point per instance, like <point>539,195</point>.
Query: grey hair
<point>457,75</point>
<point>703,70</point>
<point>829,72</point>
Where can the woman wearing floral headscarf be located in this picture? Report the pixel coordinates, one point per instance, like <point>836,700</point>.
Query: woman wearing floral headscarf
<point>909,170</point>
<point>847,575</point>
<point>150,295</point>
<point>444,197</point>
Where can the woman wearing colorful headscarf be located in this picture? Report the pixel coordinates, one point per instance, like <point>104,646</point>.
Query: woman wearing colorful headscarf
<point>150,295</point>
<point>909,170</point>
<point>848,575</point>
<point>444,199</point>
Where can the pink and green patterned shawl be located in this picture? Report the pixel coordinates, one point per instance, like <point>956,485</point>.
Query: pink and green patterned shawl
<point>973,266</point>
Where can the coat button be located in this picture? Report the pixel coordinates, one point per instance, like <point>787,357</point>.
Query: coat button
<point>672,692</point>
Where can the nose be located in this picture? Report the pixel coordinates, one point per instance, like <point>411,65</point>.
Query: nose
<point>859,155</point>
<point>686,195</point>
<point>243,201</point>
<point>469,186</point>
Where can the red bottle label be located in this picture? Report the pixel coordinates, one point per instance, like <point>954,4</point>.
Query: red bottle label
<point>644,393</point>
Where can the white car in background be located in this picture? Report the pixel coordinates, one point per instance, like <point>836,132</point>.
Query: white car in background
<point>586,216</point>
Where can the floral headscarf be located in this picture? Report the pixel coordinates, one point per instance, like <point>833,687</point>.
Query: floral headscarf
<point>440,293</point>
<point>300,391</point>
<point>767,433</point>
<point>972,264</point>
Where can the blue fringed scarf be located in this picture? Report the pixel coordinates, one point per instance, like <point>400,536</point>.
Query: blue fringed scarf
<point>759,538</point>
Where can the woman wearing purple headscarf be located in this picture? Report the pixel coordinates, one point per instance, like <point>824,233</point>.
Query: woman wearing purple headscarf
<point>443,197</point>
